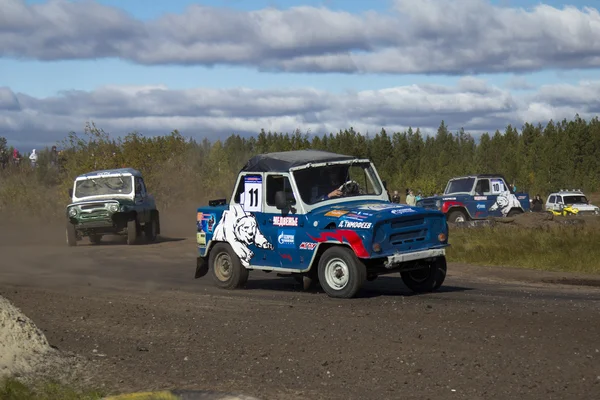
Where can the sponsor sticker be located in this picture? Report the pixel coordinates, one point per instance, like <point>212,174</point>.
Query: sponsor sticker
<point>206,222</point>
<point>285,238</point>
<point>399,211</point>
<point>201,238</point>
<point>285,221</point>
<point>481,206</point>
<point>476,198</point>
<point>377,206</point>
<point>336,213</point>
<point>449,198</point>
<point>355,224</point>
<point>356,215</point>
<point>307,246</point>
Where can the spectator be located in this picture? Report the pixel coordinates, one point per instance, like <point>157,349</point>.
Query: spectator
<point>54,157</point>
<point>396,197</point>
<point>410,198</point>
<point>537,204</point>
<point>33,157</point>
<point>419,196</point>
<point>16,157</point>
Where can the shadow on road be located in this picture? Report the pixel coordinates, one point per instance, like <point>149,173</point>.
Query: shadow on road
<point>383,286</point>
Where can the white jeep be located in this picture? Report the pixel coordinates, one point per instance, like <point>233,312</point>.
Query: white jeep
<point>575,199</point>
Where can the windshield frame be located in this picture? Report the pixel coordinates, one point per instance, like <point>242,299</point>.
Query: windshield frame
<point>338,200</point>
<point>128,195</point>
<point>466,178</point>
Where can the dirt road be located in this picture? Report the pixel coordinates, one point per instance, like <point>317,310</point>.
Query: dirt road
<point>145,323</point>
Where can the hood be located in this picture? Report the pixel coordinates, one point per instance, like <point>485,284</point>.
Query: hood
<point>366,214</point>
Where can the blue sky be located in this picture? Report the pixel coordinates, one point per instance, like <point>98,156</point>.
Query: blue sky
<point>41,81</point>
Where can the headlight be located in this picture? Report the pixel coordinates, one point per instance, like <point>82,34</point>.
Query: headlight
<point>438,203</point>
<point>113,207</point>
<point>72,212</point>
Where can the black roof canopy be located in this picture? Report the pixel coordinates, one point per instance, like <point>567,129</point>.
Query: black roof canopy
<point>284,160</point>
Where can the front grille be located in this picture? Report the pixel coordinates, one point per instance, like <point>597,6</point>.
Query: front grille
<point>92,206</point>
<point>408,233</point>
<point>94,214</point>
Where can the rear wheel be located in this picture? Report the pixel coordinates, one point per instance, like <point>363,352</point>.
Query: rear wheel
<point>71,235</point>
<point>457,216</point>
<point>132,232</point>
<point>225,268</point>
<point>150,229</point>
<point>95,238</point>
<point>514,212</point>
<point>428,278</point>
<point>341,273</point>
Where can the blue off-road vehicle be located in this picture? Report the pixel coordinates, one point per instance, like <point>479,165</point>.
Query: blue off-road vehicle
<point>477,197</point>
<point>318,216</point>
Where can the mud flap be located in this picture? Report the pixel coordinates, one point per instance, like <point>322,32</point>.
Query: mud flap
<point>201,267</point>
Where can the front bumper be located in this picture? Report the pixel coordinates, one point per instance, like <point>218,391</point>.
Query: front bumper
<point>393,260</point>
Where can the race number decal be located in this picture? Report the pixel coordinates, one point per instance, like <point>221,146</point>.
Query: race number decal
<point>497,186</point>
<point>252,193</point>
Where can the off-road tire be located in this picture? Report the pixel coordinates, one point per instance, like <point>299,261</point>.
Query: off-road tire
<point>150,229</point>
<point>428,280</point>
<point>225,267</point>
<point>95,238</point>
<point>71,235</point>
<point>457,214</point>
<point>132,232</point>
<point>352,272</point>
<point>514,212</point>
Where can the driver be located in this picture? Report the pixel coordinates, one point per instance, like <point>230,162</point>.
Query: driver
<point>333,178</point>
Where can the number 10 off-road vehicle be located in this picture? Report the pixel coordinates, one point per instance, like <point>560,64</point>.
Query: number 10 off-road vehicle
<point>111,202</point>
<point>320,217</point>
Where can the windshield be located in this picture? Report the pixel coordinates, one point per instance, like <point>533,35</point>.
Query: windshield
<point>318,184</point>
<point>575,199</point>
<point>463,185</point>
<point>103,186</point>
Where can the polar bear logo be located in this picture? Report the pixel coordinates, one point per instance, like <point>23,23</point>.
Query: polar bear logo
<point>505,202</point>
<point>240,230</point>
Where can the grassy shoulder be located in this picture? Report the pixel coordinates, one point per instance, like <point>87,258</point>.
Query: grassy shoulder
<point>563,248</point>
<point>13,389</point>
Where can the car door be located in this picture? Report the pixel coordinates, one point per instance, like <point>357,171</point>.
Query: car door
<point>139,199</point>
<point>550,203</point>
<point>242,224</point>
<point>496,205</point>
<point>482,200</point>
<point>282,227</point>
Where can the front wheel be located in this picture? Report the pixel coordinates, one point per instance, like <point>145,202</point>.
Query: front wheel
<point>71,235</point>
<point>132,232</point>
<point>457,216</point>
<point>341,273</point>
<point>428,278</point>
<point>225,268</point>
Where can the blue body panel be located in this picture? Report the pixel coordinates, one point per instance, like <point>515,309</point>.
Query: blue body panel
<point>478,206</point>
<point>273,240</point>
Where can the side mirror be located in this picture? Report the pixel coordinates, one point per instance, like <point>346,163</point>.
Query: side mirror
<point>280,200</point>
<point>71,192</point>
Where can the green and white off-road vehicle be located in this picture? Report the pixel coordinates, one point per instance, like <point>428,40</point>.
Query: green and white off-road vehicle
<point>111,202</point>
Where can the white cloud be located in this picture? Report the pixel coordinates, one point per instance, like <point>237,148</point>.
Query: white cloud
<point>216,113</point>
<point>424,36</point>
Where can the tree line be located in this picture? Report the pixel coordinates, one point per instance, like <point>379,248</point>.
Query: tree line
<point>537,158</point>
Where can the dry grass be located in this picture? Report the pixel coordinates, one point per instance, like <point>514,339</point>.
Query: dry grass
<point>567,248</point>
<point>13,389</point>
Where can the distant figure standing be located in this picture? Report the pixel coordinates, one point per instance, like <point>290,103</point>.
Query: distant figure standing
<point>396,197</point>
<point>411,199</point>
<point>419,196</point>
<point>16,157</point>
<point>33,158</point>
<point>537,204</point>
<point>54,157</point>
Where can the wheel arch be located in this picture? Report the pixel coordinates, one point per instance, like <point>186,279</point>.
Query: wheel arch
<point>462,209</point>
